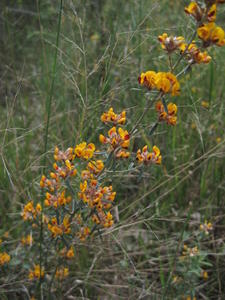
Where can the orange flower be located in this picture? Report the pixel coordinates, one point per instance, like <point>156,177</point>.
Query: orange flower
<point>170,117</point>
<point>36,273</point>
<point>211,34</point>
<point>116,138</point>
<point>85,151</point>
<point>147,157</point>
<point>147,79</point>
<point>111,117</point>
<point>194,55</point>
<point>58,229</point>
<point>170,43</point>
<point>162,81</point>
<point>29,212</point>
<point>211,14</point>
<point>194,10</point>
<point>4,258</point>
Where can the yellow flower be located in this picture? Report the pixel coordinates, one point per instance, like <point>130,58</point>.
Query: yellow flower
<point>170,43</point>
<point>211,14</point>
<point>42,181</point>
<point>210,33</point>
<point>27,240</point>
<point>205,104</point>
<point>83,233</point>
<point>147,79</point>
<point>36,273</point>
<point>95,167</point>
<point>61,273</point>
<point>202,57</point>
<point>217,36</point>
<point>190,251</point>
<point>70,253</point>
<point>116,138</point>
<point>59,229</point>
<point>194,10</point>
<point>149,157</point>
<point>170,118</point>
<point>205,275</point>
<point>108,222</point>
<point>28,211</point>
<point>204,31</point>
<point>111,117</point>
<point>206,227</point>
<point>194,55</point>
<point>124,136</point>
<point>122,154</point>
<point>4,258</point>
<point>83,186</point>
<point>175,89</point>
<point>162,81</point>
<point>62,156</point>
<point>218,140</point>
<point>38,208</point>
<point>84,151</point>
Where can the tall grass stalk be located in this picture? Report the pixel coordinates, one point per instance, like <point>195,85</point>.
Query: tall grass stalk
<point>211,81</point>
<point>48,115</point>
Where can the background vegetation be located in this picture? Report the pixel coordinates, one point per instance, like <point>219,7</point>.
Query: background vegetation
<point>103,47</point>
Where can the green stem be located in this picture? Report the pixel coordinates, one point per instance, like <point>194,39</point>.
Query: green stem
<point>48,112</point>
<point>158,95</point>
<point>185,51</point>
<point>211,82</point>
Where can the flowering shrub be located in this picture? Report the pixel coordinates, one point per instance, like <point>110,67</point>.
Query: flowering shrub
<point>77,196</point>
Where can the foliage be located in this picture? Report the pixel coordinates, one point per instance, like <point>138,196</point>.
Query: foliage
<point>114,215</point>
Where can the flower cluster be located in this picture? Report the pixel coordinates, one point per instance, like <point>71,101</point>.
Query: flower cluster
<point>147,157</point>
<point>205,15</point>
<point>168,116</point>
<point>4,258</point>
<point>99,199</point>
<point>30,212</point>
<point>95,195</point>
<point>84,150</point>
<point>206,227</point>
<point>111,117</point>
<point>59,228</point>
<point>83,233</point>
<point>166,82</point>
<point>64,168</point>
<point>195,11</point>
<point>96,198</point>
<point>67,253</point>
<point>36,273</point>
<point>57,200</point>
<point>27,240</point>
<point>118,141</point>
<point>94,167</point>
<point>170,43</point>
<point>190,251</point>
<point>191,51</point>
<point>61,273</point>
<point>194,54</point>
<point>210,33</point>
